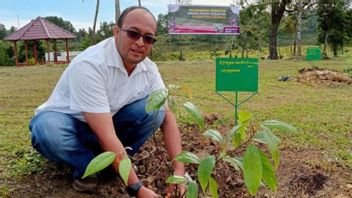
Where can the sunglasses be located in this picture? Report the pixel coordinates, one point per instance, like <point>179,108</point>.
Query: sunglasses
<point>134,35</point>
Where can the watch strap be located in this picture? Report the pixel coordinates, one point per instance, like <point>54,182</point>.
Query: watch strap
<point>133,189</point>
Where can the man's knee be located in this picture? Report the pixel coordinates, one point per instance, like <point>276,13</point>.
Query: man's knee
<point>48,132</point>
<point>39,127</point>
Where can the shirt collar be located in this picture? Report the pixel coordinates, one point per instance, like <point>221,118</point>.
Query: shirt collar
<point>115,59</point>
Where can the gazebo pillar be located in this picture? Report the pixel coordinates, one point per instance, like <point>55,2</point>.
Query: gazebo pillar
<point>55,51</point>
<point>35,54</point>
<point>67,52</point>
<point>16,55</point>
<point>26,51</point>
<point>48,49</point>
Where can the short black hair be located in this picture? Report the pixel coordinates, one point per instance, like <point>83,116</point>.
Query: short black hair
<point>128,10</point>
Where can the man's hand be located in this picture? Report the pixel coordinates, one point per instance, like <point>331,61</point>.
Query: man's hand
<point>145,192</point>
<point>171,190</point>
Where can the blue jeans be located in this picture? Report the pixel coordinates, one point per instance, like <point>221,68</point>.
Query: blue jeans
<point>65,139</point>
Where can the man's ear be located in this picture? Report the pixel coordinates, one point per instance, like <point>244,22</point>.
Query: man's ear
<point>115,30</point>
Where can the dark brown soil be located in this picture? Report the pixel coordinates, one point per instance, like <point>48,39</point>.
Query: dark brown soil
<point>302,173</point>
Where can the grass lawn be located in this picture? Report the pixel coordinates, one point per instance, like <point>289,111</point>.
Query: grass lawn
<point>322,114</point>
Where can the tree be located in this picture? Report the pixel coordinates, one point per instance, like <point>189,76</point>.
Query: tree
<point>277,11</point>
<point>332,23</point>
<point>4,59</point>
<point>67,25</point>
<point>3,32</point>
<point>253,26</point>
<point>81,34</point>
<point>105,31</point>
<point>95,20</point>
<point>304,11</point>
<point>349,25</point>
<point>12,29</point>
<point>40,50</point>
<point>162,24</point>
<point>117,11</point>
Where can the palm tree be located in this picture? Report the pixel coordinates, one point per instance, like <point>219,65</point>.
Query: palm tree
<point>117,11</point>
<point>95,20</point>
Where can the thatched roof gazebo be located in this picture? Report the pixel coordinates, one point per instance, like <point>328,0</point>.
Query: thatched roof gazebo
<point>40,29</point>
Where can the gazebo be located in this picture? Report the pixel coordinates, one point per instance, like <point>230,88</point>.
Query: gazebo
<point>40,29</point>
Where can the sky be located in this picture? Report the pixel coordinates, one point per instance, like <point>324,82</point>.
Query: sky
<point>79,12</point>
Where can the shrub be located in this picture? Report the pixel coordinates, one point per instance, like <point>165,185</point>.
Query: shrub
<point>4,58</point>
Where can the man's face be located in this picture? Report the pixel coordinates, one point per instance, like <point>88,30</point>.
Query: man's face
<point>133,50</point>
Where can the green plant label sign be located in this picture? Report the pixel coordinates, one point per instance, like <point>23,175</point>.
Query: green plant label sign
<point>313,53</point>
<point>236,74</point>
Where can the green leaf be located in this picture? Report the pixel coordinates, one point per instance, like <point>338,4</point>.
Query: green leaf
<point>175,179</point>
<point>205,169</point>
<point>269,177</point>
<point>192,190</point>
<point>275,124</point>
<point>237,139</point>
<point>172,103</point>
<point>156,99</point>
<point>125,166</point>
<point>214,135</point>
<point>236,163</point>
<point>252,169</point>
<point>195,114</point>
<point>273,144</point>
<point>99,163</point>
<point>213,187</point>
<point>233,131</point>
<point>244,117</point>
<point>234,137</point>
<point>259,137</point>
<point>187,157</point>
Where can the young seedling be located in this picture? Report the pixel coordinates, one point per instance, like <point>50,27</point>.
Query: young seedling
<point>257,168</point>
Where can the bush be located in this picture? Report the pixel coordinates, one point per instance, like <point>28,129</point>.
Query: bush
<point>4,58</point>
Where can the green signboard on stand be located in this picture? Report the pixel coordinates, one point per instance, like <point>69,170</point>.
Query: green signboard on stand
<point>313,53</point>
<point>236,74</point>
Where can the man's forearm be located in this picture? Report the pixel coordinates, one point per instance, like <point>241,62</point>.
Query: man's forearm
<point>102,126</point>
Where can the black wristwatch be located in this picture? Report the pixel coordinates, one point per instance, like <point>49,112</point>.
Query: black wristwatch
<point>133,189</point>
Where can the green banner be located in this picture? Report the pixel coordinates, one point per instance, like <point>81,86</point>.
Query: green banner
<point>313,53</point>
<point>236,74</point>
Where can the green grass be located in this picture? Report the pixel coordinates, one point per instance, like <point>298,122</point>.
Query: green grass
<point>322,114</point>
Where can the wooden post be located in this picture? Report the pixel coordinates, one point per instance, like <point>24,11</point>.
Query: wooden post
<point>67,52</point>
<point>55,51</point>
<point>35,52</point>
<point>26,51</point>
<point>48,49</point>
<point>16,58</point>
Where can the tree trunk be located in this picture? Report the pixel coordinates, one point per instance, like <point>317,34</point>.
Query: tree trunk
<point>277,11</point>
<point>95,20</point>
<point>299,30</point>
<point>139,3</point>
<point>117,11</point>
<point>325,44</point>
<point>294,45</point>
<point>273,42</point>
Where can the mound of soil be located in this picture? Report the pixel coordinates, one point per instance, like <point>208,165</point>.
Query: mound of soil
<point>297,176</point>
<point>324,77</point>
